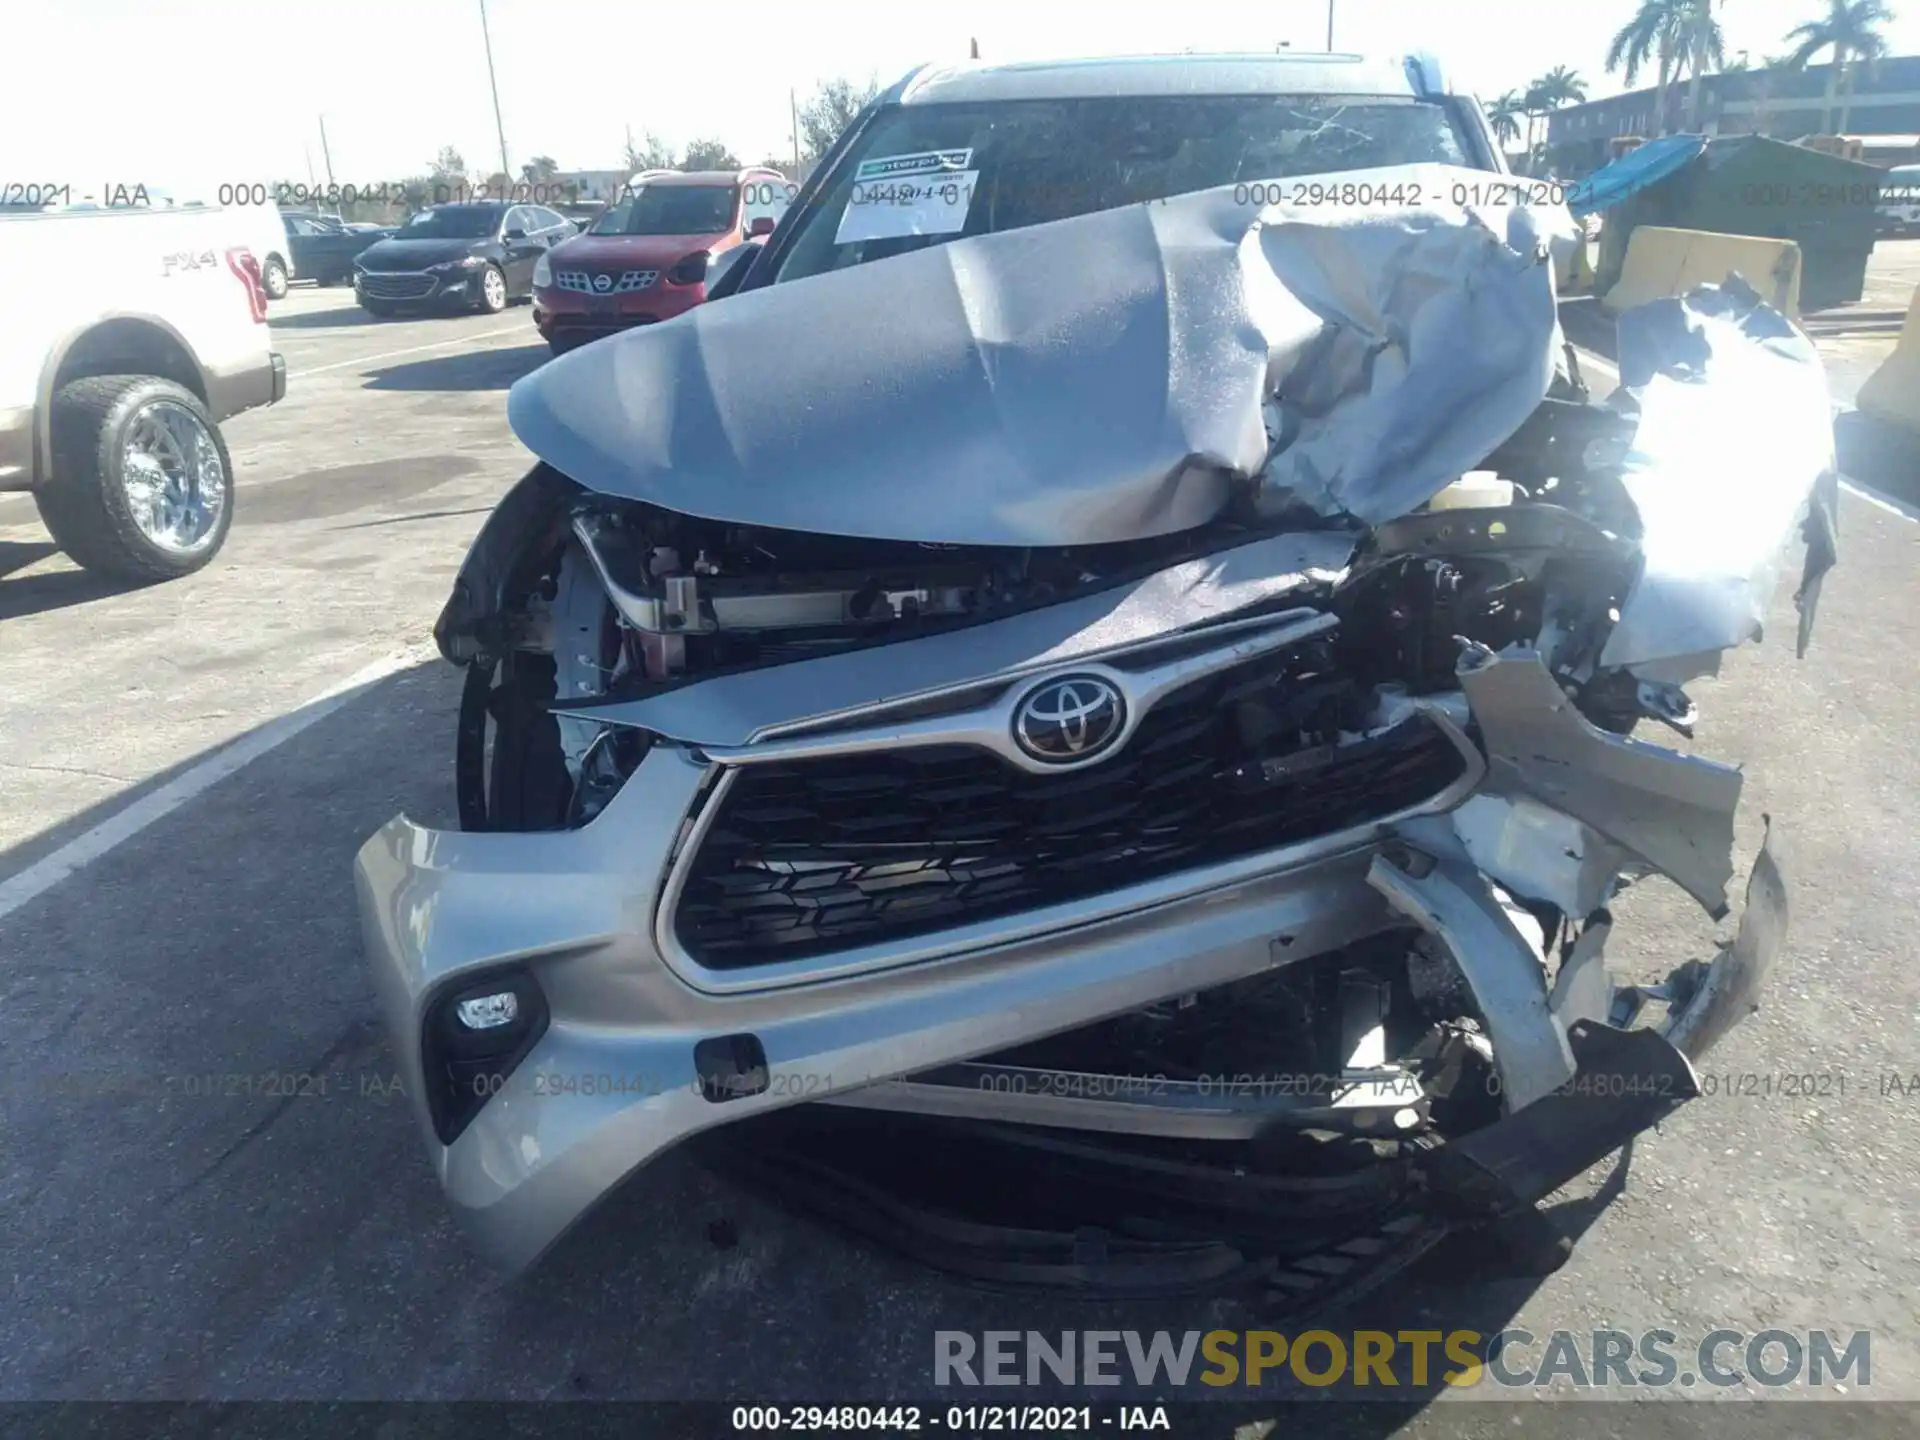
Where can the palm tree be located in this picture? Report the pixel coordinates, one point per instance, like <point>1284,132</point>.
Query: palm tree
<point>1657,29</point>
<point>1704,45</point>
<point>1504,116</point>
<point>1532,102</point>
<point>1850,28</point>
<point>1559,86</point>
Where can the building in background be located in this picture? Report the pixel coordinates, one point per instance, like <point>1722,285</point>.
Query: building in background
<point>593,186</point>
<point>1883,112</point>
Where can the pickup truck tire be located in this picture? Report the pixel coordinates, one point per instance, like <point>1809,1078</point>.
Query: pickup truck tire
<point>273,275</point>
<point>87,504</point>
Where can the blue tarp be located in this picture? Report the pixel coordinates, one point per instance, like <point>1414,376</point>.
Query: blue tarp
<point>1634,171</point>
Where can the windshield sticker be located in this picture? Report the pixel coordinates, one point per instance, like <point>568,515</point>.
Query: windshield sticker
<point>931,203</point>
<point>925,162</point>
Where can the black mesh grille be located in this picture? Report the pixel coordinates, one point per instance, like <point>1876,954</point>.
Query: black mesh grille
<point>814,856</point>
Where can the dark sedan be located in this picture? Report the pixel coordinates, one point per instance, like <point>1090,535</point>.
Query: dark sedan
<point>470,257</point>
<point>323,248</point>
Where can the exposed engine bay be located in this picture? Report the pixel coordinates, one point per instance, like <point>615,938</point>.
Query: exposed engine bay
<point>1250,847</point>
<point>628,599</point>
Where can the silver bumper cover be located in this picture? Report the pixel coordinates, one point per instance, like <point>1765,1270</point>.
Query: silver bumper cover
<point>577,909</point>
<point>613,1081</point>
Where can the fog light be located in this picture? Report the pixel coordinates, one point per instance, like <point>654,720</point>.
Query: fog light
<point>489,1012</point>
<point>473,1039</point>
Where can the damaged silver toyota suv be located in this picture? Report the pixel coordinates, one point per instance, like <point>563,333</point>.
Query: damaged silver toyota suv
<point>1133,534</point>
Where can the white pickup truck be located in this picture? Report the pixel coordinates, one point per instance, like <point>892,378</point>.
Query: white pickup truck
<point>127,338</point>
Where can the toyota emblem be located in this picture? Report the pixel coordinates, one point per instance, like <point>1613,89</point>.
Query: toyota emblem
<point>1070,719</point>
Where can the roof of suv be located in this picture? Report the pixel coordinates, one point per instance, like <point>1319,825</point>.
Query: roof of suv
<point>1153,75</point>
<point>709,177</point>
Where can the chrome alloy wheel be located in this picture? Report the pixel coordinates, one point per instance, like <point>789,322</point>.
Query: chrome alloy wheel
<point>495,285</point>
<point>176,486</point>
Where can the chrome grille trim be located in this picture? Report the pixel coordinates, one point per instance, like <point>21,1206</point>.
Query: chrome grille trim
<point>397,285</point>
<point>1008,929</point>
<point>588,282</point>
<point>990,726</point>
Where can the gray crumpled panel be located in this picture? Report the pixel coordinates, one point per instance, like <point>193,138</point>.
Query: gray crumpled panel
<point>1440,337</point>
<point>1735,432</point>
<point>1101,378</point>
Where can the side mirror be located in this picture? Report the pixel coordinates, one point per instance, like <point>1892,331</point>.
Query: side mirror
<point>516,234</point>
<point>759,227</point>
<point>737,261</point>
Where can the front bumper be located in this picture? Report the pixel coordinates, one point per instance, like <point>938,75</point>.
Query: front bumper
<point>616,1078</point>
<point>568,315</point>
<point>405,289</point>
<point>577,910</point>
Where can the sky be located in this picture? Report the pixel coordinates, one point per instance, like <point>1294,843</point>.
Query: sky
<point>191,93</point>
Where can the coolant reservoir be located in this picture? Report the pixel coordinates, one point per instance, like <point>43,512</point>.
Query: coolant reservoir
<point>1475,490</point>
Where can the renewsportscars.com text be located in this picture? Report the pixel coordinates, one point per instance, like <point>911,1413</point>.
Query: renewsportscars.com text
<point>1376,1360</point>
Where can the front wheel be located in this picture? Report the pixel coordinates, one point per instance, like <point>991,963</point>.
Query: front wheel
<point>274,277</point>
<point>493,290</point>
<point>142,485</point>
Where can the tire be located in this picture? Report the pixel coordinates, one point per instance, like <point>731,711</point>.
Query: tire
<point>87,504</point>
<point>529,787</point>
<point>493,291</point>
<point>273,276</point>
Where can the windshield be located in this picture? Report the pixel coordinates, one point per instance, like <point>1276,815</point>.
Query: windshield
<point>452,222</point>
<point>669,210</point>
<point>923,174</point>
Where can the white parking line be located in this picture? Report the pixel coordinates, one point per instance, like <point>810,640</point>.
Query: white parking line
<point>410,350</point>
<point>84,849</point>
<point>1885,502</point>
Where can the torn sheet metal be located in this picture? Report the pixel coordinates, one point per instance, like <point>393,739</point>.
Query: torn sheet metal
<point>1735,437</point>
<point>1189,598</point>
<point>1583,988</point>
<point>1099,378</point>
<point>1673,812</point>
<point>1538,853</point>
<point>1440,341</point>
<point>1455,905</point>
<point>1730,989</point>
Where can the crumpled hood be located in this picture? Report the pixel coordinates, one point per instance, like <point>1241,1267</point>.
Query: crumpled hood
<point>1102,378</point>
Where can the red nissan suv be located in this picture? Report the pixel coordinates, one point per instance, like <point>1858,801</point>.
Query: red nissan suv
<point>649,254</point>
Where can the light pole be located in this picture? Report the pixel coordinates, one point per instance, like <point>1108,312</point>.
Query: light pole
<point>494,86</point>
<point>325,153</point>
<point>1329,27</point>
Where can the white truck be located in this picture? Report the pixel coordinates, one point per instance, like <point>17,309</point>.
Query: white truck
<point>134,334</point>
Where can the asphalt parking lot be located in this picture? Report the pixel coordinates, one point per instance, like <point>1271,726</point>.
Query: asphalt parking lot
<point>169,931</point>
